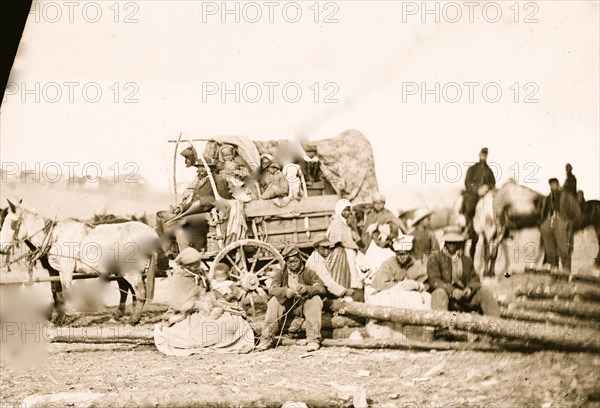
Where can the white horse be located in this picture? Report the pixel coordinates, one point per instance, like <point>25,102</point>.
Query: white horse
<point>501,212</point>
<point>68,246</point>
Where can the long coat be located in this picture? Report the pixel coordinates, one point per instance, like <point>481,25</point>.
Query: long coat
<point>439,270</point>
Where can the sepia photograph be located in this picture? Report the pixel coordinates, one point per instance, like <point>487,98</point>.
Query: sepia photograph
<point>300,204</point>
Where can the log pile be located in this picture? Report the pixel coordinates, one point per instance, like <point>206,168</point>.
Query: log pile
<point>537,312</point>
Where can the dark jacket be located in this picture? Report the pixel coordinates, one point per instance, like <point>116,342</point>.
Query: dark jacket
<point>203,191</point>
<point>570,185</point>
<point>566,205</point>
<point>439,270</point>
<point>308,277</point>
<point>478,175</point>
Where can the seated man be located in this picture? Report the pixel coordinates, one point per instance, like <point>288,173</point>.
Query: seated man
<point>401,269</point>
<point>310,165</point>
<point>399,282</point>
<point>295,291</point>
<point>277,185</point>
<point>319,262</point>
<point>192,229</point>
<point>453,281</point>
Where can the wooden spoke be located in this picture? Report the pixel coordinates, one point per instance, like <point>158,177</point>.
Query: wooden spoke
<point>250,294</point>
<point>233,264</point>
<point>242,258</point>
<point>263,294</point>
<point>265,266</point>
<point>254,262</point>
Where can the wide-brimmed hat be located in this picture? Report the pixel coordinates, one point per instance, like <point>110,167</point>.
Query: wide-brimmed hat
<point>322,240</point>
<point>453,233</point>
<point>290,250</point>
<point>403,243</point>
<point>418,216</point>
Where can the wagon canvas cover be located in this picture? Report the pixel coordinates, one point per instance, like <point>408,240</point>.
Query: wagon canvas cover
<point>346,162</point>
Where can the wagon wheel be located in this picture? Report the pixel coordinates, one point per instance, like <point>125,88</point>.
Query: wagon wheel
<point>250,261</point>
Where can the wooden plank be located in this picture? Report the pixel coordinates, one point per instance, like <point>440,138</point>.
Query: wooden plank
<point>307,205</point>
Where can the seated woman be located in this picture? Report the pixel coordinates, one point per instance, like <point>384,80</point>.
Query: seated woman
<point>399,282</point>
<point>232,167</point>
<point>205,322</point>
<point>277,185</point>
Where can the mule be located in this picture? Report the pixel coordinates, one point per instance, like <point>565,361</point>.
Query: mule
<point>67,246</point>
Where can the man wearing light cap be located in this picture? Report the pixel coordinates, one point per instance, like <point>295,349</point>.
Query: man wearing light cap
<point>295,291</point>
<point>378,215</point>
<point>401,269</point>
<point>453,281</point>
<point>319,261</point>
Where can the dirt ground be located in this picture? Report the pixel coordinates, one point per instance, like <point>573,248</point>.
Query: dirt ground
<point>139,375</point>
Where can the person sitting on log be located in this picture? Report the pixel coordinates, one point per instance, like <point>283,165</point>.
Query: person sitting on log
<point>454,284</point>
<point>401,269</point>
<point>277,185</point>
<point>296,290</point>
<point>400,282</point>
<point>319,262</point>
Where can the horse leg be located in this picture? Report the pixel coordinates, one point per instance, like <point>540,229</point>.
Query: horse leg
<point>139,298</point>
<point>486,256</point>
<point>597,262</point>
<point>57,294</point>
<point>124,288</point>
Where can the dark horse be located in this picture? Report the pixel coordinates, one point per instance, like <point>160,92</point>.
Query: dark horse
<point>590,217</point>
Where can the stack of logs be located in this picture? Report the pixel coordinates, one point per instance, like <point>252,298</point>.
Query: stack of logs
<point>540,310</point>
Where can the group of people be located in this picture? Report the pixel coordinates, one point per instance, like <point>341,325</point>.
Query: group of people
<point>379,259</point>
<point>447,281</point>
<point>561,210</point>
<point>281,177</point>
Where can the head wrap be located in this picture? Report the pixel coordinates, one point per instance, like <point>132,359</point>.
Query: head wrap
<point>340,205</point>
<point>188,256</point>
<point>404,243</point>
<point>378,197</point>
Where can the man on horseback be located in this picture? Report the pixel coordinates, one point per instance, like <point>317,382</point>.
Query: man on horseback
<point>479,180</point>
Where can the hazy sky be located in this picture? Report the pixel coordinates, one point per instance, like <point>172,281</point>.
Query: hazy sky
<point>370,59</point>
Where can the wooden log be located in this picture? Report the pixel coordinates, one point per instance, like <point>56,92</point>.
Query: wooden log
<point>558,290</point>
<point>547,317</point>
<point>550,336</point>
<point>374,344</point>
<point>201,395</point>
<point>578,309</point>
<point>564,276</point>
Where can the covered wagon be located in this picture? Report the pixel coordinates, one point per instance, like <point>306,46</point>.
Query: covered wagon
<point>347,171</point>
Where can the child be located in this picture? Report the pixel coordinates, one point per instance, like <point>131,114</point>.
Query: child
<point>223,285</point>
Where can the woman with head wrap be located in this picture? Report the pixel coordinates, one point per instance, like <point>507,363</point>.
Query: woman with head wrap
<point>343,257</point>
<point>232,167</point>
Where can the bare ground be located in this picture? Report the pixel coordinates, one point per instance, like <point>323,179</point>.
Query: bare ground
<point>142,376</point>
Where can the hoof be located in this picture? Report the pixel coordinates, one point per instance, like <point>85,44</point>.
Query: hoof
<point>60,319</point>
<point>119,313</point>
